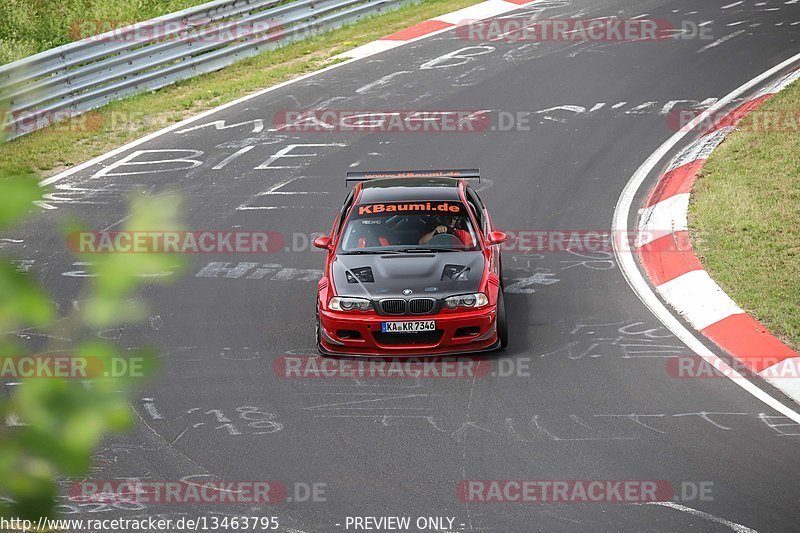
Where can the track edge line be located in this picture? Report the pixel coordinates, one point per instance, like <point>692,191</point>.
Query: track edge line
<point>634,277</point>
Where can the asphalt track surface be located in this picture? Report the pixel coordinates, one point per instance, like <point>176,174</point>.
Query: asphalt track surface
<point>391,447</point>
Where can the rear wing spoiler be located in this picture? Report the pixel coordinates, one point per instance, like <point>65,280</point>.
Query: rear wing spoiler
<point>462,173</point>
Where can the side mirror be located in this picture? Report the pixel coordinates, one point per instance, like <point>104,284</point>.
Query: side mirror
<point>323,241</point>
<point>497,237</point>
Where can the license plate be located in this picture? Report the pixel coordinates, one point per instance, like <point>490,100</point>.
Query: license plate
<point>416,326</point>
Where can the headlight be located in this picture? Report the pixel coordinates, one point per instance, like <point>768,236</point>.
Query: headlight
<point>345,303</point>
<point>467,300</point>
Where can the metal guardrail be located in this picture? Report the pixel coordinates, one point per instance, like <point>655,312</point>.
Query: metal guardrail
<point>72,79</point>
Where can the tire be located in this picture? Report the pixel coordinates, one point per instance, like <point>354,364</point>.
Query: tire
<point>502,322</point>
<point>317,330</point>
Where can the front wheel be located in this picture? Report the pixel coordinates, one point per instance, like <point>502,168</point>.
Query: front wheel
<point>318,332</point>
<point>502,323</point>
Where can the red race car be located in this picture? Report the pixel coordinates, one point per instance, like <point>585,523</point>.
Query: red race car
<point>413,269</point>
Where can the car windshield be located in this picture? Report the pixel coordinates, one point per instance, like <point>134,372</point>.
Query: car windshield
<point>408,227</point>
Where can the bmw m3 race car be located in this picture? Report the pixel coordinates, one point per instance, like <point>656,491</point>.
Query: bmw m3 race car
<point>413,269</point>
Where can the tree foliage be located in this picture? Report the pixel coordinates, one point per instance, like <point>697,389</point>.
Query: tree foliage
<point>53,425</point>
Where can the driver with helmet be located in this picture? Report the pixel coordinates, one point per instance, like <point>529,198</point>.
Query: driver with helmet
<point>448,225</point>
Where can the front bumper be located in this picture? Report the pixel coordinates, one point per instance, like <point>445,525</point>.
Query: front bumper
<point>457,332</point>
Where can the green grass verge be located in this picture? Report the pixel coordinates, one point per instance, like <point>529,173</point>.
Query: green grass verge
<point>51,150</point>
<point>31,26</point>
<point>745,218</point>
